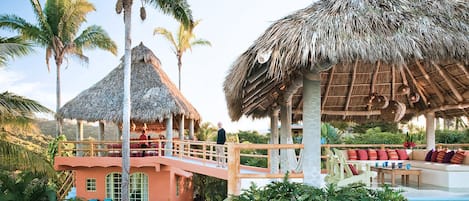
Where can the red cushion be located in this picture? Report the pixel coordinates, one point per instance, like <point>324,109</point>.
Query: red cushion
<point>402,153</point>
<point>382,155</point>
<point>458,157</point>
<point>353,169</point>
<point>428,157</point>
<point>362,154</point>
<point>352,154</point>
<point>434,155</point>
<point>440,156</point>
<point>392,154</point>
<point>372,155</point>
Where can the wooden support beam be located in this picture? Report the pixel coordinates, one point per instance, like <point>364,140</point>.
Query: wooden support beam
<point>420,91</point>
<point>260,91</point>
<point>432,83</point>
<point>455,91</point>
<point>393,82</point>
<point>404,81</point>
<point>375,76</point>
<point>329,82</point>
<point>350,90</point>
<point>466,71</point>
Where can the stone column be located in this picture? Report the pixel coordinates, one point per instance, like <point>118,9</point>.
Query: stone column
<point>274,153</point>
<point>312,130</point>
<point>79,136</point>
<point>430,130</point>
<point>169,136</point>
<point>191,129</point>
<point>101,137</point>
<point>181,128</point>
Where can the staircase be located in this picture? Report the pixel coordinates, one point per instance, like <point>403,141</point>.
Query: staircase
<point>67,179</point>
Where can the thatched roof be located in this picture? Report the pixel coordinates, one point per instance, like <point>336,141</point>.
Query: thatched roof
<point>358,47</point>
<point>153,95</point>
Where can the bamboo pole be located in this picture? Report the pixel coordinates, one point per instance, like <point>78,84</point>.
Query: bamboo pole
<point>350,90</point>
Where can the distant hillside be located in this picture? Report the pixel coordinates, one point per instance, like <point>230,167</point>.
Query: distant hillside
<point>28,136</point>
<point>70,129</point>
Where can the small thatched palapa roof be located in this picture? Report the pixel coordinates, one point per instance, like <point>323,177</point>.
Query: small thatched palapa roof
<point>153,96</point>
<point>359,48</point>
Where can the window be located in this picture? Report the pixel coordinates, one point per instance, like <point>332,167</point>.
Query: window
<point>91,184</point>
<point>138,186</point>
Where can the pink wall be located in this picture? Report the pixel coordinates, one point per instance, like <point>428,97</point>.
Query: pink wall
<point>161,185</point>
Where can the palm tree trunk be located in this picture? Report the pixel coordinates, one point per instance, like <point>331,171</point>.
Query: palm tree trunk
<point>126,103</point>
<point>58,63</point>
<point>179,68</point>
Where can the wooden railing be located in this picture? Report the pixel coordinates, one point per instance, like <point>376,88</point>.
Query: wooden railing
<point>67,179</point>
<point>206,152</point>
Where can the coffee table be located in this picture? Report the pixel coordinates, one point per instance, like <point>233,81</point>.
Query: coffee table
<point>405,173</point>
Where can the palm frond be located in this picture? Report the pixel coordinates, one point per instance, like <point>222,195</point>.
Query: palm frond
<point>12,105</point>
<point>13,47</point>
<point>95,37</point>
<point>167,34</point>
<point>179,9</point>
<point>201,42</point>
<point>73,16</point>
<point>16,157</point>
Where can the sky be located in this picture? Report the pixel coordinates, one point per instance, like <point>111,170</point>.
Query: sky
<point>230,25</point>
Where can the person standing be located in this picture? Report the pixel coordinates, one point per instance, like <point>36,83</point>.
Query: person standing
<point>143,144</point>
<point>221,139</point>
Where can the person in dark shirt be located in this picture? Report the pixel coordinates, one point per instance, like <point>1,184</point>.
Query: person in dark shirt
<point>221,139</point>
<point>143,144</point>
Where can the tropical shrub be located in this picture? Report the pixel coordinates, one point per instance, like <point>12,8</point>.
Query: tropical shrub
<point>25,186</point>
<point>209,188</point>
<point>376,136</point>
<point>384,126</point>
<point>285,190</point>
<point>450,136</point>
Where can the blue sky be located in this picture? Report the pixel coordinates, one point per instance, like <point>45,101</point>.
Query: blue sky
<point>231,27</point>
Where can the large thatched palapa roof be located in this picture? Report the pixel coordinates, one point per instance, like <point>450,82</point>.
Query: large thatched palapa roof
<point>153,96</point>
<point>359,48</point>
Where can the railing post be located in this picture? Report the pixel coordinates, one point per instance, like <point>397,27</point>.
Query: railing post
<point>383,147</point>
<point>204,151</point>
<point>91,148</point>
<point>233,170</point>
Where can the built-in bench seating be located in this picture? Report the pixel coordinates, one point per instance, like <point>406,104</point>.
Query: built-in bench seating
<point>439,174</point>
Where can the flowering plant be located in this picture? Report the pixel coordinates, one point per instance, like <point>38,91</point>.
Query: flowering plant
<point>409,142</point>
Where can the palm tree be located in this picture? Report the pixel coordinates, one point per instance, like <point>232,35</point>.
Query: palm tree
<point>184,40</point>
<point>56,30</point>
<point>180,10</point>
<point>14,108</point>
<point>12,47</point>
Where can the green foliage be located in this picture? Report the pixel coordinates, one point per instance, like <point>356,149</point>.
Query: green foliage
<point>384,126</point>
<point>209,188</point>
<point>24,186</point>
<point>376,136</point>
<point>285,190</point>
<point>329,133</point>
<point>451,136</point>
<point>252,137</point>
<point>206,132</point>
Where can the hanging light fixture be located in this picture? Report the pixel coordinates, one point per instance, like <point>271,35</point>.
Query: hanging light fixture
<point>414,97</point>
<point>403,89</point>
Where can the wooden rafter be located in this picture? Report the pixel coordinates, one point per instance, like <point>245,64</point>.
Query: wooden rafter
<point>417,86</point>
<point>350,90</point>
<point>261,88</point>
<point>329,82</point>
<point>432,84</point>
<point>455,91</point>
<point>375,76</point>
<point>404,81</point>
<point>466,72</point>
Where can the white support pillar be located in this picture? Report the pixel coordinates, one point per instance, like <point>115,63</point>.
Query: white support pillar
<point>430,130</point>
<point>274,153</point>
<point>169,136</point>
<point>287,156</point>
<point>191,129</point>
<point>181,128</point>
<point>79,136</point>
<point>312,130</point>
<point>101,137</point>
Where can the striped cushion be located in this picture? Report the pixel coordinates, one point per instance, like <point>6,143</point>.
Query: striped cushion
<point>402,153</point>
<point>448,156</point>
<point>392,154</point>
<point>372,154</point>
<point>352,154</point>
<point>458,157</point>
<point>362,154</point>
<point>434,155</point>
<point>440,156</point>
<point>382,155</point>
<point>428,157</point>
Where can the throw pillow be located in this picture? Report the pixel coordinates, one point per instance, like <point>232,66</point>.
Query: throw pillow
<point>352,154</point>
<point>392,154</point>
<point>448,156</point>
<point>382,155</point>
<point>434,155</point>
<point>428,157</point>
<point>440,156</point>
<point>458,157</point>
<point>353,169</point>
<point>372,155</point>
<point>402,153</point>
<point>362,154</point>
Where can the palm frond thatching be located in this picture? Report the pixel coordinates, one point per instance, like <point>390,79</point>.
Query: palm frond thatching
<point>153,96</point>
<point>358,48</point>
